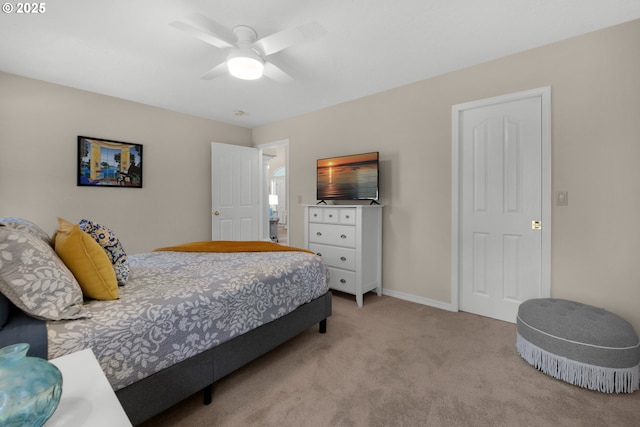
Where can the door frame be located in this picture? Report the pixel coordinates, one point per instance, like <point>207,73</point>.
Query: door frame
<point>456,112</point>
<point>262,147</point>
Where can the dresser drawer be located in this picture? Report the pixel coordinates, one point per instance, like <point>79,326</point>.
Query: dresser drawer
<point>347,216</point>
<point>316,214</point>
<point>329,234</point>
<point>331,216</point>
<point>342,280</point>
<point>335,256</point>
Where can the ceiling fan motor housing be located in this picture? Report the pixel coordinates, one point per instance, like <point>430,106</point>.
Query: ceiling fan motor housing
<point>245,34</point>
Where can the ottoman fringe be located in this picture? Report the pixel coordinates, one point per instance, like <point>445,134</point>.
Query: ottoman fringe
<point>606,380</point>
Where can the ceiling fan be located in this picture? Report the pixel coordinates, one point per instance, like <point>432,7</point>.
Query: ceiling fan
<point>246,57</point>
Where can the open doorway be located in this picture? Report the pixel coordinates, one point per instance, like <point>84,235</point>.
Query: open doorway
<point>276,189</point>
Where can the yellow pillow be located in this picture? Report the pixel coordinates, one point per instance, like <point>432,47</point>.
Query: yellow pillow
<point>87,261</point>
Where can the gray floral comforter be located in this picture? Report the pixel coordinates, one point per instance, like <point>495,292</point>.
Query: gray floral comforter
<point>178,304</point>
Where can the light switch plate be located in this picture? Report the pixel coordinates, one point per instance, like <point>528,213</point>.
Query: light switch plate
<point>562,198</point>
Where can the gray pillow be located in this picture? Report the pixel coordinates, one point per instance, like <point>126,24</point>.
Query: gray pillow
<point>25,225</point>
<point>33,277</point>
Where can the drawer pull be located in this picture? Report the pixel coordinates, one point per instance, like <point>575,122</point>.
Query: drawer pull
<point>343,258</point>
<point>343,281</point>
<point>318,253</point>
<point>343,236</point>
<point>318,234</point>
<point>330,215</point>
<point>347,216</point>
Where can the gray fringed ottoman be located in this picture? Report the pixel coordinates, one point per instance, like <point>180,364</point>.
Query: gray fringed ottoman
<point>580,344</point>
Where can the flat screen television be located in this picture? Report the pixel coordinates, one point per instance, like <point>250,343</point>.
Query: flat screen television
<point>352,177</point>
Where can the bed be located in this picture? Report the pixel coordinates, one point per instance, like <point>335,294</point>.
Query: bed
<point>183,320</point>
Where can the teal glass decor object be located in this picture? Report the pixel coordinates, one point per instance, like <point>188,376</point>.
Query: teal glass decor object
<point>30,388</point>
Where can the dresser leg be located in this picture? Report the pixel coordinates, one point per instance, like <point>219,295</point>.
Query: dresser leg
<point>359,300</point>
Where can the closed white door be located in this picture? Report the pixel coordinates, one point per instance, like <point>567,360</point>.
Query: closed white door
<point>501,183</point>
<point>235,192</point>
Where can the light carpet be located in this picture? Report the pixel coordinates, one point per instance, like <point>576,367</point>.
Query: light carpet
<point>397,363</point>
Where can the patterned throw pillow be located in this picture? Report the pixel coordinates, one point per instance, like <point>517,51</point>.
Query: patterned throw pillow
<point>35,279</point>
<point>23,224</point>
<point>111,245</point>
<point>87,261</point>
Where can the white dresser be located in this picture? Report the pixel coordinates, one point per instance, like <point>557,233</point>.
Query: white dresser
<point>349,239</point>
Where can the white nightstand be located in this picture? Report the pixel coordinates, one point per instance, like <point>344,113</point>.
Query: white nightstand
<point>87,397</point>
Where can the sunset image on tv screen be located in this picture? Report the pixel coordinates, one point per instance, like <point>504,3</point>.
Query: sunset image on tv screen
<point>348,177</point>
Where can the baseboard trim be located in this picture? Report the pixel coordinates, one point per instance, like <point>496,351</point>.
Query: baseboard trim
<point>417,299</point>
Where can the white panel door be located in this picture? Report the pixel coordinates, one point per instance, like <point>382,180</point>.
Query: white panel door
<point>235,192</point>
<point>500,196</point>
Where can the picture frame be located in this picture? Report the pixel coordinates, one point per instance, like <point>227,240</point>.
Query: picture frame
<point>108,163</point>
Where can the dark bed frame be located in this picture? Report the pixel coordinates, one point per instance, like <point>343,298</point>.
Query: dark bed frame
<point>158,392</point>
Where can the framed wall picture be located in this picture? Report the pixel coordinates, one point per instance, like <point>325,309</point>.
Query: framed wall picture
<point>106,163</point>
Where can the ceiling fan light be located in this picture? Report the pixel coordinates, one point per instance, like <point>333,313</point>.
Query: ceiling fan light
<point>245,67</point>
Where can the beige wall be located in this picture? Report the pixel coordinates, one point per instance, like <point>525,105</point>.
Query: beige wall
<point>39,125</point>
<point>595,138</point>
<point>595,82</point>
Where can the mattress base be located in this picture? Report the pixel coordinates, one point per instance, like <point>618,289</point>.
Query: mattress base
<point>158,392</point>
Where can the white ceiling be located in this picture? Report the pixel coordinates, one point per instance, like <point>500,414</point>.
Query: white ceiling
<point>127,49</point>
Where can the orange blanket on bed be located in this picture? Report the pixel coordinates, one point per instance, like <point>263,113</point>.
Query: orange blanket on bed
<point>231,246</point>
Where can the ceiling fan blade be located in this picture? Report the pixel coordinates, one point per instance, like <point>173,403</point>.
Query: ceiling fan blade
<point>205,30</point>
<point>276,42</point>
<point>220,31</point>
<point>216,71</point>
<point>275,73</point>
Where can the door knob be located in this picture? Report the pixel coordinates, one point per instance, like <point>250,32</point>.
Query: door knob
<point>217,213</point>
